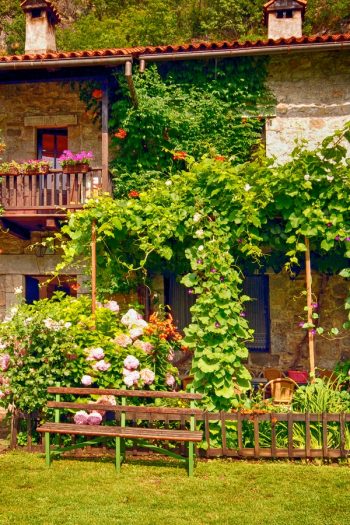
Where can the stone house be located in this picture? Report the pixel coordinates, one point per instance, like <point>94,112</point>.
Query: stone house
<point>40,116</point>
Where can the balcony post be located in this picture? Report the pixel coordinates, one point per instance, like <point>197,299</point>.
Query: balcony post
<point>105,139</point>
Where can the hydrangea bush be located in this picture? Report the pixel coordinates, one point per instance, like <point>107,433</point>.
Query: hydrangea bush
<point>56,341</point>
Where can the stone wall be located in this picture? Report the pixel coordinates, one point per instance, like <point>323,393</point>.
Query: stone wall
<point>24,108</point>
<point>313,99</point>
<point>289,343</point>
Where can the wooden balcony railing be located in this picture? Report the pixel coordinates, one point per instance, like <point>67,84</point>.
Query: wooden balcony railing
<point>50,193</point>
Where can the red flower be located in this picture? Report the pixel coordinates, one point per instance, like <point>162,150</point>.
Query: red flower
<point>179,155</point>
<point>75,287</point>
<point>133,194</point>
<point>220,158</point>
<point>97,93</point>
<point>120,134</point>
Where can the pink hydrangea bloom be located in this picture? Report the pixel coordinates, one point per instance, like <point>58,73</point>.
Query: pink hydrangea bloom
<point>2,394</point>
<point>131,362</point>
<point>94,418</point>
<point>123,340</point>
<point>81,417</point>
<point>171,355</point>
<point>143,345</point>
<point>170,380</point>
<point>147,376</point>
<point>113,306</point>
<point>86,380</point>
<point>101,366</point>
<point>4,362</point>
<point>95,354</point>
<point>135,332</point>
<point>132,378</point>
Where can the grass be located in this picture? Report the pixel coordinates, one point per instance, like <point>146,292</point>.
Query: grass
<point>88,492</point>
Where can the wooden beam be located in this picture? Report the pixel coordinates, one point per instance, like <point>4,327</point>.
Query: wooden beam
<point>105,139</point>
<point>93,268</point>
<point>15,229</point>
<point>311,333</point>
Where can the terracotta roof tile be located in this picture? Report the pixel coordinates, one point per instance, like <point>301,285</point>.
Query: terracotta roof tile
<point>196,47</point>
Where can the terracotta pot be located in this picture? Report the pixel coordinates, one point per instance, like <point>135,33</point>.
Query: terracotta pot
<point>44,170</point>
<point>76,168</point>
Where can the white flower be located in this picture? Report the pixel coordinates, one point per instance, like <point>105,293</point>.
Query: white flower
<point>13,311</point>
<point>130,318</point>
<point>199,233</point>
<point>330,178</point>
<point>200,248</point>
<point>197,217</point>
<point>307,177</point>
<point>67,324</point>
<point>168,183</point>
<point>18,290</point>
<point>247,187</point>
<point>135,332</point>
<point>113,306</point>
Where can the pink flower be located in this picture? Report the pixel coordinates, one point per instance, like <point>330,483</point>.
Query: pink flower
<point>94,418</point>
<point>113,306</point>
<point>123,340</point>
<point>4,362</point>
<point>81,417</point>
<point>170,380</point>
<point>144,346</point>
<point>131,362</point>
<point>132,378</point>
<point>135,332</point>
<point>101,366</point>
<point>147,376</point>
<point>171,355</point>
<point>2,394</point>
<point>96,354</point>
<point>86,380</point>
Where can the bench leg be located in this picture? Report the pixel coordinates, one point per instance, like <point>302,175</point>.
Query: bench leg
<point>118,455</point>
<point>47,449</point>
<point>190,459</point>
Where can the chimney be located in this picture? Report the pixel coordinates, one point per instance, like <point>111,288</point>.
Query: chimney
<point>284,18</point>
<point>41,20</point>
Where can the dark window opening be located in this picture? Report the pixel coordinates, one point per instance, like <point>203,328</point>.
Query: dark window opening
<point>36,13</point>
<point>40,287</point>
<point>257,311</point>
<point>51,144</point>
<point>285,14</point>
<point>180,301</point>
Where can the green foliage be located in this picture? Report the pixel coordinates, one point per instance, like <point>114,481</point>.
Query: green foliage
<point>52,341</point>
<point>209,221</point>
<point>201,108</point>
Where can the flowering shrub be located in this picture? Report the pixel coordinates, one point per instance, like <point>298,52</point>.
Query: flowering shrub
<point>68,158</point>
<point>55,341</point>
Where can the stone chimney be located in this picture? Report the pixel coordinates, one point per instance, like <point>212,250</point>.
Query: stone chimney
<point>284,18</point>
<point>41,20</point>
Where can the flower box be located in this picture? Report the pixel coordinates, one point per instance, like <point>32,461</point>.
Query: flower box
<point>76,168</point>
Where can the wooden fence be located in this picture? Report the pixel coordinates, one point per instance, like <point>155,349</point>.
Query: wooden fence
<point>250,435</point>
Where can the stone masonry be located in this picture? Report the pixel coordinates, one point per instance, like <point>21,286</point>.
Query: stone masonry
<point>313,99</point>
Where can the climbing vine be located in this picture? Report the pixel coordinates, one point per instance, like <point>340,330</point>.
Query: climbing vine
<point>210,223</point>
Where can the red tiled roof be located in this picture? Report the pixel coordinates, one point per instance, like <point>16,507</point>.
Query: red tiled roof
<point>199,47</point>
<point>303,3</point>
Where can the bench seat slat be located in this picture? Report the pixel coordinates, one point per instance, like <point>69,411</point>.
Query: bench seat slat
<point>124,432</point>
<point>124,393</point>
<point>129,408</point>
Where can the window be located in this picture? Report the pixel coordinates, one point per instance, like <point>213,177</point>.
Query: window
<point>40,287</point>
<point>258,311</point>
<point>180,301</point>
<point>285,14</point>
<point>36,13</point>
<point>51,144</point>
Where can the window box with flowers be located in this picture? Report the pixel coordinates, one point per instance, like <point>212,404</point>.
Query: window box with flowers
<point>10,168</point>
<point>76,162</point>
<point>35,167</point>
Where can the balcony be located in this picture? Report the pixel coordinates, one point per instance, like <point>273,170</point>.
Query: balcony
<point>39,200</point>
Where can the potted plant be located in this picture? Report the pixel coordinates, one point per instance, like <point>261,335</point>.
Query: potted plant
<point>76,162</point>
<point>10,168</point>
<point>34,167</point>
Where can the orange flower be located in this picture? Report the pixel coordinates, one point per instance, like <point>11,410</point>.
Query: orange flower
<point>133,194</point>
<point>120,134</point>
<point>220,158</point>
<point>179,155</point>
<point>97,94</point>
<point>75,287</point>
<point>244,120</point>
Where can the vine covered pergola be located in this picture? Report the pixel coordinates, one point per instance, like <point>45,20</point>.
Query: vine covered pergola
<point>213,220</point>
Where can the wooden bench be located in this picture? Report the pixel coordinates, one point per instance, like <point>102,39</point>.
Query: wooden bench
<point>126,412</point>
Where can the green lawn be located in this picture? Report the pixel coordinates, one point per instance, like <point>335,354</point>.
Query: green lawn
<point>88,492</point>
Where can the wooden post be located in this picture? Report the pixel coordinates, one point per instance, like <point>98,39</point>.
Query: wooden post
<point>309,309</point>
<point>105,140</point>
<point>93,268</point>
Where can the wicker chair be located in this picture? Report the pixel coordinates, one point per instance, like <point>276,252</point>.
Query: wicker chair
<point>282,390</point>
